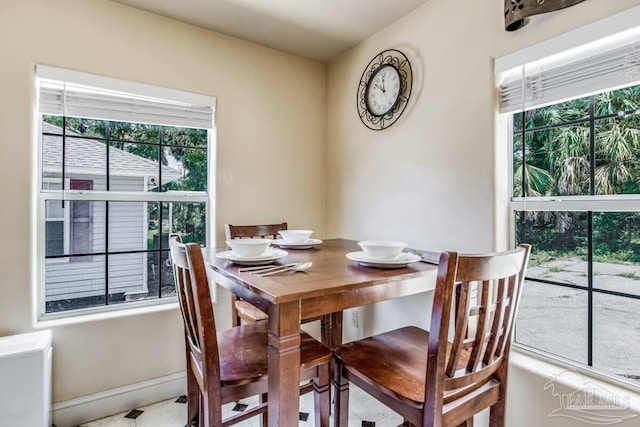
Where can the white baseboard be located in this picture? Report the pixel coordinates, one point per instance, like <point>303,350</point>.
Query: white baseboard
<point>73,412</point>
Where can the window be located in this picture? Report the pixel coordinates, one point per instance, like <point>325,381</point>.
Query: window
<point>574,127</point>
<point>119,172</point>
<point>585,271</point>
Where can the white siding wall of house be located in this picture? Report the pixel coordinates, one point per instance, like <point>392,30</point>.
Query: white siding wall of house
<point>68,279</point>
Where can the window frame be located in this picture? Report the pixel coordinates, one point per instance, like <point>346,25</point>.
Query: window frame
<point>42,194</point>
<point>593,203</point>
<point>563,48</point>
<point>108,196</point>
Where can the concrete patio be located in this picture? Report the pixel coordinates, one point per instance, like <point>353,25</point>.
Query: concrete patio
<point>554,318</point>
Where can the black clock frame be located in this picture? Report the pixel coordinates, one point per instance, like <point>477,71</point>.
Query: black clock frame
<point>400,62</point>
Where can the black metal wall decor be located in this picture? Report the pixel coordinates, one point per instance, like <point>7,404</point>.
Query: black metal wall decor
<point>384,89</point>
<point>517,12</point>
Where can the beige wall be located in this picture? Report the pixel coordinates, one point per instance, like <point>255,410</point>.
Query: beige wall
<point>270,158</point>
<point>429,179</point>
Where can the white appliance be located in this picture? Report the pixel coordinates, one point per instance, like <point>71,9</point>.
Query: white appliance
<point>25,380</point>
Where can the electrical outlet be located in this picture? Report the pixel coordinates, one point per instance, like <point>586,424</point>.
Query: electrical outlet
<point>354,318</point>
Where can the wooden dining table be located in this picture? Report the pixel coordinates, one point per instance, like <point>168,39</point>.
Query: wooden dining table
<point>332,284</point>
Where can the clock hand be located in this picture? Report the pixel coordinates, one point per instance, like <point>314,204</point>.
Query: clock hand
<point>386,97</point>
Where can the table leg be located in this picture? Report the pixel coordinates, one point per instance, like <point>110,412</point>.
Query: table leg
<point>331,329</point>
<point>325,329</point>
<point>284,364</point>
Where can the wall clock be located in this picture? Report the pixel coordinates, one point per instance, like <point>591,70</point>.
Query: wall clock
<point>384,89</point>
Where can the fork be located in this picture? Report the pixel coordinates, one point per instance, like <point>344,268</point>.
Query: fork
<point>302,266</point>
<point>264,268</point>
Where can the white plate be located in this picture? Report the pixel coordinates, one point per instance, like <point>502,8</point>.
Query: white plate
<point>307,244</point>
<point>398,262</point>
<point>271,255</point>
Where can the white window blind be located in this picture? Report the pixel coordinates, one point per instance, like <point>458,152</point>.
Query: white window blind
<point>550,81</point>
<point>70,93</point>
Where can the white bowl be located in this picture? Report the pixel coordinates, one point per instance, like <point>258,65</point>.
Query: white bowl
<point>296,236</point>
<point>382,249</point>
<point>249,248</point>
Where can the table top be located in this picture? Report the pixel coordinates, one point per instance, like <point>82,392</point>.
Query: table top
<point>331,273</point>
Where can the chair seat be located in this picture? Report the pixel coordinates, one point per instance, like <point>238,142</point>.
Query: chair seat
<point>400,362</point>
<point>249,313</point>
<point>243,353</point>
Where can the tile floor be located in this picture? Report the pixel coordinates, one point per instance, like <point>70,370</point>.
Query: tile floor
<point>363,411</point>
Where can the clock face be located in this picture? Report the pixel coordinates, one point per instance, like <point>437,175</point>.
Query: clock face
<point>383,90</point>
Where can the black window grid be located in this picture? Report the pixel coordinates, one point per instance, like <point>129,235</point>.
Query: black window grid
<point>108,141</point>
<point>590,120</point>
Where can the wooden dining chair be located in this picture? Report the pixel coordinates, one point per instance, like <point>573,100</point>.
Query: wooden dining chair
<point>242,310</point>
<point>193,392</point>
<point>424,377</point>
<point>232,364</point>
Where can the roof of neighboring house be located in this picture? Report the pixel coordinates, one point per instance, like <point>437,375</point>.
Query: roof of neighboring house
<point>88,156</point>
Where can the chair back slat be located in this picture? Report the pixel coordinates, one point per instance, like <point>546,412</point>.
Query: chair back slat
<point>462,306</point>
<point>252,231</point>
<point>192,286</point>
<point>483,314</point>
<point>195,344</point>
<point>497,323</point>
<point>190,309</point>
<point>487,289</point>
<point>513,293</point>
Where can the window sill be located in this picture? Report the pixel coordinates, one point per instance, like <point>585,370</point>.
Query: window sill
<point>93,315</point>
<point>551,369</point>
